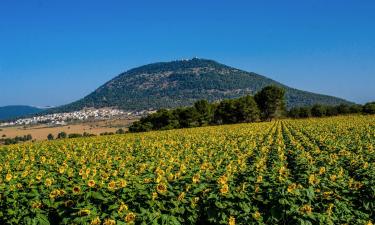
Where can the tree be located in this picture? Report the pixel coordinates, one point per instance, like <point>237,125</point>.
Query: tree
<point>61,135</point>
<point>304,112</point>
<point>318,111</point>
<point>188,117</point>
<point>343,109</point>
<point>247,109</point>
<point>226,112</point>
<point>369,108</point>
<point>120,131</point>
<point>271,102</point>
<point>205,111</point>
<point>50,137</point>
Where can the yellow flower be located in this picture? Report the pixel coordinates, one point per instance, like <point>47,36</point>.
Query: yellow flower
<point>109,222</point>
<point>329,209</point>
<point>95,221</point>
<point>259,179</point>
<point>122,183</point>
<point>130,217</point>
<point>154,195</point>
<point>181,196</point>
<point>222,180</point>
<point>313,180</point>
<point>369,223</point>
<point>36,205</point>
<point>306,209</point>
<point>322,170</point>
<point>196,178</point>
<point>54,193</point>
<point>123,207</point>
<point>91,183</point>
<point>333,177</point>
<point>256,215</point>
<point>112,185</point>
<point>224,189</point>
<point>8,177</point>
<point>161,188</point>
<point>84,212</point>
<point>232,221</point>
<point>39,176</point>
<point>76,190</point>
<point>48,182</point>
<point>291,187</point>
<point>62,169</point>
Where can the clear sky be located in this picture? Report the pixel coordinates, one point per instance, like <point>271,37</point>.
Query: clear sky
<point>54,52</point>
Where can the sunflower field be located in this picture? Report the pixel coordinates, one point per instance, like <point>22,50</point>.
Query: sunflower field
<point>312,171</point>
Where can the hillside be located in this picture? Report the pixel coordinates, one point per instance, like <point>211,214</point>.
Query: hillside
<point>181,83</point>
<point>13,111</point>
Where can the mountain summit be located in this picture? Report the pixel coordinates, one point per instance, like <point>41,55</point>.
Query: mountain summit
<point>182,82</point>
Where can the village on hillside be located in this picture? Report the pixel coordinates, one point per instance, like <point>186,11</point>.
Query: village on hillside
<point>81,115</point>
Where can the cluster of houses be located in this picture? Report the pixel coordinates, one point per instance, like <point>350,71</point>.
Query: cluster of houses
<point>84,114</point>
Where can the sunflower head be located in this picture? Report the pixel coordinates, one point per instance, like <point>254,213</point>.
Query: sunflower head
<point>130,217</point>
<point>91,183</point>
<point>161,188</point>
<point>76,190</point>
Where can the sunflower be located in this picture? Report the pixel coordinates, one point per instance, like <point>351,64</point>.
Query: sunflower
<point>123,207</point>
<point>122,183</point>
<point>8,177</point>
<point>91,183</point>
<point>224,189</point>
<point>84,212</point>
<point>291,187</point>
<point>231,221</point>
<point>48,182</point>
<point>76,190</point>
<point>181,196</point>
<point>36,205</point>
<point>161,188</point>
<point>111,185</point>
<point>154,195</point>
<point>130,217</point>
<point>322,170</point>
<point>256,215</point>
<point>109,222</point>
<point>196,178</point>
<point>39,176</point>
<point>306,209</point>
<point>95,221</point>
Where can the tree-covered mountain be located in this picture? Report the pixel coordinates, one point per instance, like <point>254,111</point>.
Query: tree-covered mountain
<point>182,82</point>
<point>14,111</point>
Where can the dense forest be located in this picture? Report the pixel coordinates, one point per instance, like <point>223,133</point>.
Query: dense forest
<point>267,104</point>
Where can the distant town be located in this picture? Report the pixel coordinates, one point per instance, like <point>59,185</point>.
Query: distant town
<point>82,115</point>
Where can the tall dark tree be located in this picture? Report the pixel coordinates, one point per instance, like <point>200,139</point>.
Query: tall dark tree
<point>271,102</point>
<point>226,112</point>
<point>247,109</point>
<point>318,111</point>
<point>205,111</point>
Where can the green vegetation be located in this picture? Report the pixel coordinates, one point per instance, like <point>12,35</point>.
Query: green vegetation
<point>269,104</point>
<point>181,83</point>
<point>15,140</point>
<point>326,110</point>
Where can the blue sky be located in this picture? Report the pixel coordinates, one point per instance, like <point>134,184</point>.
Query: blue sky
<point>55,52</point>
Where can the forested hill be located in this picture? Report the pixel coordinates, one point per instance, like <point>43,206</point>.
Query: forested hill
<point>181,83</point>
